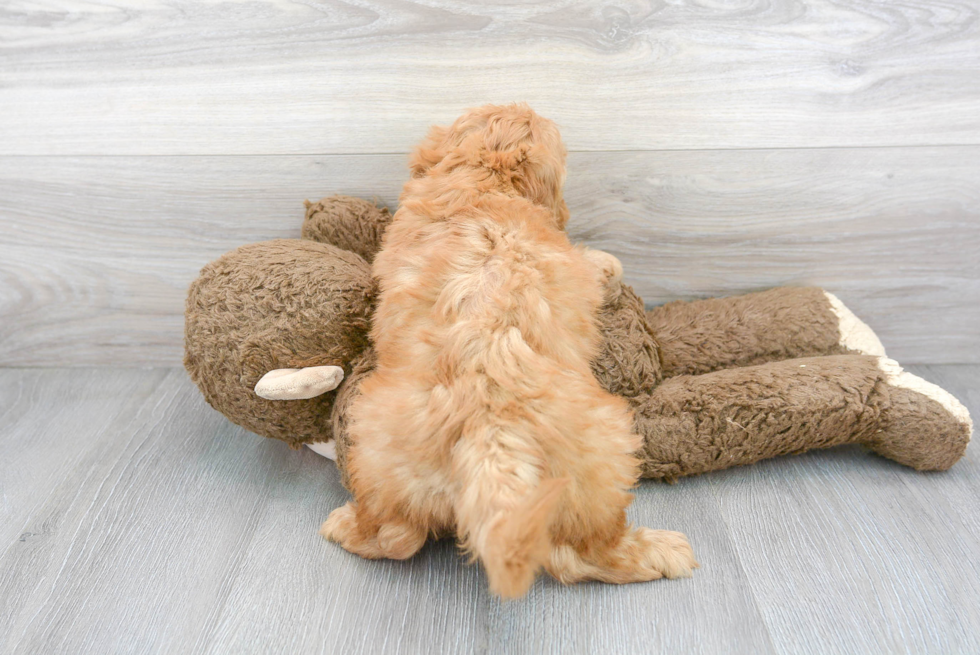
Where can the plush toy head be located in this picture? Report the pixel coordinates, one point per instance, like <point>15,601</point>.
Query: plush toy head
<point>287,303</point>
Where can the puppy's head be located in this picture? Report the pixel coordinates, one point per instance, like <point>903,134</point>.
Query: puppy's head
<point>510,144</point>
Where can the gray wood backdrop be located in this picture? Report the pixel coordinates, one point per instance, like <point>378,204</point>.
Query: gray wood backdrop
<point>717,147</point>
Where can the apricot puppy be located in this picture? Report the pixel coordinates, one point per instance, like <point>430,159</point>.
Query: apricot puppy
<point>483,417</point>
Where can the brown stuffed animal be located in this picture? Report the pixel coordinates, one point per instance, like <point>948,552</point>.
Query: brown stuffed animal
<point>272,328</point>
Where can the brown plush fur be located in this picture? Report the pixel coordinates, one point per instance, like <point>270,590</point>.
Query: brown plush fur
<point>752,413</point>
<point>482,415</point>
<point>348,223</point>
<point>748,414</point>
<point>769,326</point>
<point>294,304</point>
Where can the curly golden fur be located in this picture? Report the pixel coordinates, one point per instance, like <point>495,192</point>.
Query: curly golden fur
<point>483,417</point>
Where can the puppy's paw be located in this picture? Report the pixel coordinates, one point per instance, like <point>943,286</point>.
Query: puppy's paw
<point>390,540</point>
<point>666,553</point>
<point>340,525</point>
<point>610,267</point>
<point>400,540</point>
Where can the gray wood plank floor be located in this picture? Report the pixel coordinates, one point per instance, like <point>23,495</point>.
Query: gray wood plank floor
<point>133,518</point>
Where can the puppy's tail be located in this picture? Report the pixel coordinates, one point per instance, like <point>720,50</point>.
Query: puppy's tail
<point>509,531</point>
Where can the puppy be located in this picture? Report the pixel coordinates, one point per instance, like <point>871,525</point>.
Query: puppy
<point>483,417</point>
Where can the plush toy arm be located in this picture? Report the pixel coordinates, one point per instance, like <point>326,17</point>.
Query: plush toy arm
<point>349,223</point>
<point>783,323</point>
<point>298,383</point>
<point>697,423</point>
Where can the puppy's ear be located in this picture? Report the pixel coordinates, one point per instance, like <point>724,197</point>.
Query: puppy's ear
<point>541,176</point>
<point>430,152</point>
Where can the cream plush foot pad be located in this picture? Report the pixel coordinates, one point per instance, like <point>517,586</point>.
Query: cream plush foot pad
<point>854,333</point>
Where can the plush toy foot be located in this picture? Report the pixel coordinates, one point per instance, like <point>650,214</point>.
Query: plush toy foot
<point>855,335</point>
<point>298,383</point>
<point>925,427</point>
<point>327,449</point>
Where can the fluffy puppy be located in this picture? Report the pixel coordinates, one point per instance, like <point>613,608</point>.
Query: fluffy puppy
<point>483,417</point>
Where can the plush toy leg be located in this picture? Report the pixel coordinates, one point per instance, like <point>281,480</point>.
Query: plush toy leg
<point>783,323</point>
<point>350,223</point>
<point>695,424</point>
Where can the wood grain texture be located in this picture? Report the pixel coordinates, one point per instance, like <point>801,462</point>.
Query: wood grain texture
<point>277,76</point>
<point>136,519</point>
<point>94,568</point>
<point>96,252</point>
<point>843,547</point>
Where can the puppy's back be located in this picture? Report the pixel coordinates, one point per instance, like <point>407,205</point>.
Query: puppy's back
<point>504,309</point>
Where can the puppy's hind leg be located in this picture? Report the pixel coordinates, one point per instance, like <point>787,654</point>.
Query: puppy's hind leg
<point>597,542</point>
<point>378,523</point>
<point>369,539</point>
<point>639,555</point>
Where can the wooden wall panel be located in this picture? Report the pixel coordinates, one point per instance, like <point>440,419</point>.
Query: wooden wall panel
<point>275,77</point>
<point>96,252</point>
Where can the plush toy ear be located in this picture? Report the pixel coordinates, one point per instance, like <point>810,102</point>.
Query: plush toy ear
<point>298,383</point>
<point>430,152</point>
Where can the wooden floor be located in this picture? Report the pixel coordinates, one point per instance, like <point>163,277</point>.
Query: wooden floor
<point>136,519</point>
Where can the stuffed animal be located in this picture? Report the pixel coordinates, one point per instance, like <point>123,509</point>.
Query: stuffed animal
<point>276,338</point>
